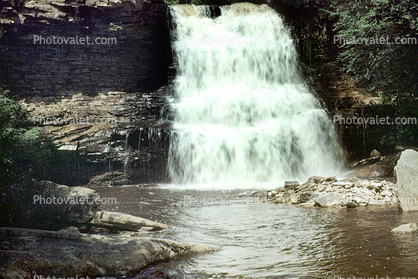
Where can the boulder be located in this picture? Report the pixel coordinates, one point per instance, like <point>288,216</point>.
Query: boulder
<point>305,196</point>
<point>60,206</point>
<point>25,253</point>
<point>406,228</point>
<point>316,179</point>
<point>125,222</point>
<point>407,180</point>
<point>332,178</point>
<point>291,185</point>
<point>327,200</point>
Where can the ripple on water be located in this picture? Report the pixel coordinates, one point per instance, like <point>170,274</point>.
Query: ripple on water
<point>263,239</point>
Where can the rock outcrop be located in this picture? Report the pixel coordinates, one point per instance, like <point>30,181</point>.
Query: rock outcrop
<point>407,180</point>
<point>328,192</point>
<point>112,132</point>
<point>25,253</point>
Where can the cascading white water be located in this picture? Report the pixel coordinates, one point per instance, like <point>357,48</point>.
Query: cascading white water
<point>242,112</point>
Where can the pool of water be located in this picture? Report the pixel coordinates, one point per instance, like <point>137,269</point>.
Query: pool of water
<point>258,239</point>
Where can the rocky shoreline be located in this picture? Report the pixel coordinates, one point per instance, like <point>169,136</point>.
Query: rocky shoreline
<point>74,236</point>
<point>329,192</point>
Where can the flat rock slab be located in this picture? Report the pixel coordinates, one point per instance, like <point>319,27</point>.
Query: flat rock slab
<point>126,222</point>
<point>25,253</point>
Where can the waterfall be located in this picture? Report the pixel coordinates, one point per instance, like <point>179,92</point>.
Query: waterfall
<point>241,110</point>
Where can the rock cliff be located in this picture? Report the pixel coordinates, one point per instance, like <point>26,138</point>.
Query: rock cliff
<point>84,70</point>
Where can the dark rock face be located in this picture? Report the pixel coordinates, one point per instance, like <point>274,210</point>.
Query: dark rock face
<point>112,132</point>
<point>110,45</point>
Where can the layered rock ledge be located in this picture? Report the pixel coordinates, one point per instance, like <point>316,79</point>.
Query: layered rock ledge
<point>113,132</point>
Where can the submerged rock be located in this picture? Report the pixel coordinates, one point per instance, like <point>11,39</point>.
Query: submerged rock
<point>407,180</point>
<point>25,252</point>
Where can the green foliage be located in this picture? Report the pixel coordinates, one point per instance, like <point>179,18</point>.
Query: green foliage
<point>387,68</point>
<point>25,157</point>
<point>115,26</point>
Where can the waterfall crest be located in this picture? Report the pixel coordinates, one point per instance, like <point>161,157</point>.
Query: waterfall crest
<point>242,112</point>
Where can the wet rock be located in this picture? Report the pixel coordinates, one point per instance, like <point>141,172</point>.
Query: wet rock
<point>124,222</point>
<point>70,229</point>
<point>316,179</point>
<point>372,171</point>
<point>352,204</point>
<point>377,167</point>
<point>291,185</point>
<point>330,179</point>
<point>305,196</point>
<point>327,200</point>
<point>407,180</point>
<point>294,198</point>
<point>115,178</point>
<point>406,228</point>
<point>343,184</point>
<point>24,252</point>
<point>374,157</point>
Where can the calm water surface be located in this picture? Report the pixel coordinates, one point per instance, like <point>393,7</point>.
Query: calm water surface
<point>256,239</point>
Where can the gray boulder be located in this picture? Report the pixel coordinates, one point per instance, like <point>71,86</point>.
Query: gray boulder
<point>63,206</point>
<point>407,180</point>
<point>327,200</point>
<point>25,253</point>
